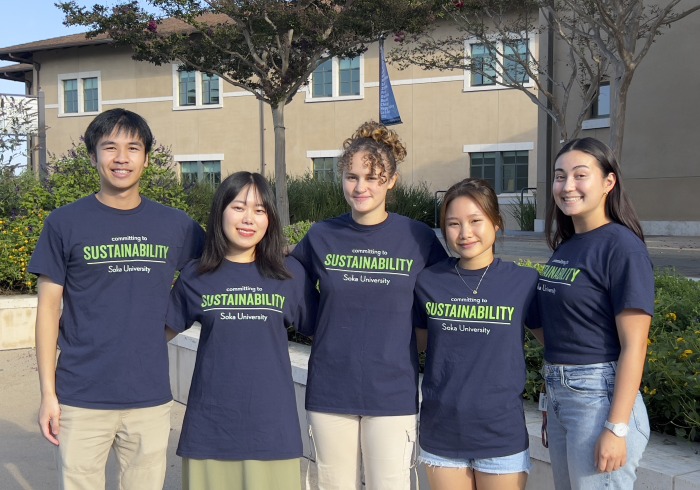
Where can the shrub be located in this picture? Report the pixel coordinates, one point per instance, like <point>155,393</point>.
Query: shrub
<point>199,198</point>
<point>524,212</point>
<point>296,231</point>
<point>314,200</point>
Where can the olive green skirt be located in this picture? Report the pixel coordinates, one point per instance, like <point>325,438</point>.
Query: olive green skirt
<point>212,474</point>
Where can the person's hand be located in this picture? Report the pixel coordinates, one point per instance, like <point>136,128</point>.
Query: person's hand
<point>50,418</point>
<point>610,452</point>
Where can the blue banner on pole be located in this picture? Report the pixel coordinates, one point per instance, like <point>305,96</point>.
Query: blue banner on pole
<point>388,110</point>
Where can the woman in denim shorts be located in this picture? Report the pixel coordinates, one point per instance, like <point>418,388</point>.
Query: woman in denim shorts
<point>597,298</point>
<point>472,310</point>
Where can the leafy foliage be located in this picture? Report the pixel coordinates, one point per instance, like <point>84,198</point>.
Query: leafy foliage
<point>17,116</point>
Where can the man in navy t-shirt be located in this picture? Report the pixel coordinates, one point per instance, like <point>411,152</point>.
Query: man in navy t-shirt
<point>106,264</point>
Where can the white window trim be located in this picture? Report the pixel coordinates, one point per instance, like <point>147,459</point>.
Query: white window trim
<point>336,84</point>
<point>79,76</point>
<point>311,154</point>
<point>596,123</point>
<point>198,92</point>
<point>532,43</point>
<point>528,145</point>
<point>199,157</point>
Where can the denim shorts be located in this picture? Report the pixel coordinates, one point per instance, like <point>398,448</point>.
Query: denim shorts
<point>502,465</point>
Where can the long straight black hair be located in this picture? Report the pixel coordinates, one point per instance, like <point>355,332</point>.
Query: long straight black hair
<point>618,206</point>
<point>269,256</point>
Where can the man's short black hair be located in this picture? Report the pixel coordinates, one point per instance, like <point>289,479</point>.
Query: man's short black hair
<point>119,120</point>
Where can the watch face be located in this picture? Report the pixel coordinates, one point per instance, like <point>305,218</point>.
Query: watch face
<point>620,430</point>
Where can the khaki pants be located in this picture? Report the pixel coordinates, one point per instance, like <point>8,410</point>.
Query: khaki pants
<point>384,447</point>
<point>139,437</point>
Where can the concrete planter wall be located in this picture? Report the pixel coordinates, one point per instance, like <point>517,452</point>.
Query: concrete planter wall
<point>17,318</point>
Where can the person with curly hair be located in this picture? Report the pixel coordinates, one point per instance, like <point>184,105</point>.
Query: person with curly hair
<point>362,389</point>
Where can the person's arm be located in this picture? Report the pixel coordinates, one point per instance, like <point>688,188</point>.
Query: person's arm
<point>633,330</point>
<point>538,333</point>
<point>47,320</point>
<point>421,339</point>
<point>170,334</point>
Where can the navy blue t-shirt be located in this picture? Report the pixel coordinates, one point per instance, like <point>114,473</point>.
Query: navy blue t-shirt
<point>475,364</point>
<point>116,268</point>
<point>591,278</point>
<point>241,403</point>
<point>364,360</point>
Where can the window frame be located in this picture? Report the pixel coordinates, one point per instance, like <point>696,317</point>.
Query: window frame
<point>200,160</point>
<point>335,82</point>
<point>313,154</point>
<point>499,150</point>
<point>79,78</point>
<point>596,121</point>
<point>199,91</point>
<point>531,39</point>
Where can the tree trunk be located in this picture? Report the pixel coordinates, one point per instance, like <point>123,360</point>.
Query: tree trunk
<point>280,164</point>
<point>618,109</point>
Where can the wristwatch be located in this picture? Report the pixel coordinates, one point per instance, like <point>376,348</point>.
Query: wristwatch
<point>620,430</point>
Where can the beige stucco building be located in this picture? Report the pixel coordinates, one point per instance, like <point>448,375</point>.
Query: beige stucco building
<point>453,125</point>
<point>212,126</point>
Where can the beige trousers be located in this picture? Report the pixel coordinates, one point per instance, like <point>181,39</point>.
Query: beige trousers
<point>139,437</point>
<point>346,445</point>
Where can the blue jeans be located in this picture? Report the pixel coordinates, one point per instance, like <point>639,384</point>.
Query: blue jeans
<point>578,404</point>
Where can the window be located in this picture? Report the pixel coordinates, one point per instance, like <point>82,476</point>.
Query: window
<point>188,88</point>
<point>506,171</point>
<point>339,78</point>
<point>196,90</point>
<point>322,80</point>
<point>90,94</point>
<point>514,55</point>
<point>349,76</point>
<point>601,104</point>
<point>325,168</point>
<point>192,172</point>
<point>210,89</point>
<point>70,96</point>
<point>79,93</point>
<point>483,62</point>
<point>498,62</point>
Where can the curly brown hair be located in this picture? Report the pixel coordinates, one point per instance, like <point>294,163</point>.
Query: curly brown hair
<point>384,150</point>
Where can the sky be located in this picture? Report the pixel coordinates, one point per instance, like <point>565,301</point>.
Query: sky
<point>25,21</point>
<point>31,20</point>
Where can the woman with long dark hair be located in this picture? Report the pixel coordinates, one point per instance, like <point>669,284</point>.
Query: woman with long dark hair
<point>597,298</point>
<point>241,429</point>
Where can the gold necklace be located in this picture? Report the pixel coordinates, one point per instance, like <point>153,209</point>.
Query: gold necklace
<point>476,289</point>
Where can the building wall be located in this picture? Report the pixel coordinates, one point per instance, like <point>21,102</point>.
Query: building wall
<point>439,116</point>
<point>660,161</point>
